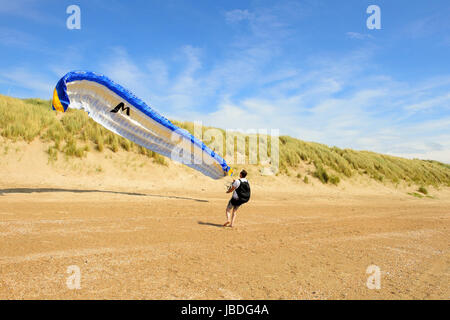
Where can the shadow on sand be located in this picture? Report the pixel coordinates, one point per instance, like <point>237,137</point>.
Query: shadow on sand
<point>41,190</point>
<point>210,224</point>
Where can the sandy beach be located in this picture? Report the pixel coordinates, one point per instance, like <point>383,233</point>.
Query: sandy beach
<point>154,232</point>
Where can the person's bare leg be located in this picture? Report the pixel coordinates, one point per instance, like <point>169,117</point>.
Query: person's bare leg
<point>228,217</point>
<point>233,217</point>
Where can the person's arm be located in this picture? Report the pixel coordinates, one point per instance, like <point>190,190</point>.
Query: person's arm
<point>232,187</point>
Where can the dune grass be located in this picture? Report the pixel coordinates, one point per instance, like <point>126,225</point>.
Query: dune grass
<point>332,163</point>
<point>74,134</point>
<point>346,163</point>
<point>423,190</point>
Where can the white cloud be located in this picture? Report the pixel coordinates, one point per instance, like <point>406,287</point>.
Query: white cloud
<point>26,83</point>
<point>30,10</point>
<point>158,72</point>
<point>237,15</point>
<point>121,68</point>
<point>359,36</point>
<point>11,37</point>
<point>437,23</point>
<point>337,99</point>
<point>329,100</point>
<point>442,102</point>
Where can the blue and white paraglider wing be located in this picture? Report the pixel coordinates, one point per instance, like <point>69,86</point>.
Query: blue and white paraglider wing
<point>119,111</point>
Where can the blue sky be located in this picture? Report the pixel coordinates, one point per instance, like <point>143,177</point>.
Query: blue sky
<point>309,68</point>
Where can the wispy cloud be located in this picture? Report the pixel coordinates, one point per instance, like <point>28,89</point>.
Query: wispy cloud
<point>20,40</point>
<point>338,97</point>
<point>436,24</point>
<point>28,9</point>
<point>16,38</point>
<point>442,102</point>
<point>25,83</point>
<point>359,36</point>
<point>237,15</point>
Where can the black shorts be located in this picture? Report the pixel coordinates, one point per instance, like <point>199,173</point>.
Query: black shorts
<point>233,204</point>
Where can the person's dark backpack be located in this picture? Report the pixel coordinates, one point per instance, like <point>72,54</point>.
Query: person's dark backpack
<point>243,191</point>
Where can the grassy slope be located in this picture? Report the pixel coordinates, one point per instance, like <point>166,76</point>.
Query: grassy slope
<point>74,134</point>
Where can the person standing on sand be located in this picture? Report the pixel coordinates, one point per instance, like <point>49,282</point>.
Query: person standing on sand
<point>241,195</point>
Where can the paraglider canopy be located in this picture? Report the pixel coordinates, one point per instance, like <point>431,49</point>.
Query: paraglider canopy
<point>121,112</point>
